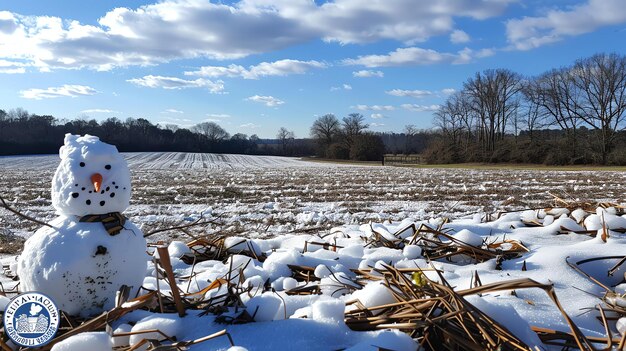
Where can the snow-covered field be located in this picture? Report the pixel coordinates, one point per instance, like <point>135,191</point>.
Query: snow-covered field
<point>264,195</point>
<point>336,219</point>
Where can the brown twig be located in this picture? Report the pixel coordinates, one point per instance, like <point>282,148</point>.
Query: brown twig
<point>164,260</point>
<point>9,208</point>
<point>184,226</point>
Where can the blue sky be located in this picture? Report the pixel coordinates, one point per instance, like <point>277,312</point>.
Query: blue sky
<point>254,66</point>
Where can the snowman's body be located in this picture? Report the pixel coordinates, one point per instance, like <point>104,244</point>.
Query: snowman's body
<point>79,263</point>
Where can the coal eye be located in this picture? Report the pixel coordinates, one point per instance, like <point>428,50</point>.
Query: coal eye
<point>107,167</point>
<point>82,164</point>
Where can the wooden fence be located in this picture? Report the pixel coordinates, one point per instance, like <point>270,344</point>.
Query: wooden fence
<point>398,160</point>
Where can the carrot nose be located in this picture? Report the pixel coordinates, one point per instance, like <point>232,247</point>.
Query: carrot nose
<point>96,179</point>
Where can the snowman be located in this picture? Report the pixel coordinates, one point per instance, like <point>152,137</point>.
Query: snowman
<point>91,249</point>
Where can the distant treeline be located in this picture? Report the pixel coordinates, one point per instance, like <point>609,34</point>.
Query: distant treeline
<point>570,115</point>
<point>24,133</point>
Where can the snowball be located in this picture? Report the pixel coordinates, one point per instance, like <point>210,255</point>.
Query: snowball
<point>548,219</point>
<point>97,341</point>
<point>412,252</point>
<point>469,238</point>
<point>373,294</point>
<point>328,311</point>
<point>178,249</point>
<point>621,325</point>
<point>276,264</point>
<point>122,340</point>
<point>321,271</point>
<point>170,326</point>
<point>237,348</point>
<point>84,159</point>
<point>528,216</point>
<point>289,283</point>
<point>579,215</point>
<point>264,307</point>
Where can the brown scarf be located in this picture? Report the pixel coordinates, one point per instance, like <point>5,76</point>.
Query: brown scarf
<point>113,222</point>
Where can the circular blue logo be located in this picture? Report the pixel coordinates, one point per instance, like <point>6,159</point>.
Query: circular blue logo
<point>31,319</point>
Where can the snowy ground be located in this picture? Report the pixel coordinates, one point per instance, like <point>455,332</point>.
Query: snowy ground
<point>263,196</point>
<point>275,205</point>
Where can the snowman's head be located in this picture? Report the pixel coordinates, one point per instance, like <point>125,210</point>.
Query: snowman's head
<point>92,178</point>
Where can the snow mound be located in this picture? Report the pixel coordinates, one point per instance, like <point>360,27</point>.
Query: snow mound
<point>97,341</point>
<point>386,340</point>
<point>170,325</point>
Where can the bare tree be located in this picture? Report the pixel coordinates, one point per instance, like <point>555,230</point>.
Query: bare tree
<point>494,95</point>
<point>325,130</point>
<point>533,116</point>
<point>211,130</point>
<point>600,82</point>
<point>446,119</point>
<point>285,137</point>
<point>409,133</point>
<point>352,126</point>
<point>555,93</point>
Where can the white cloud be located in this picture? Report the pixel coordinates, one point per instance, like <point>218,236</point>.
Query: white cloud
<point>368,74</point>
<point>98,110</point>
<point>448,91</point>
<point>342,87</point>
<point>268,101</point>
<point>177,83</point>
<point>263,69</point>
<point>414,56</point>
<point>532,32</point>
<point>62,91</point>
<point>196,28</point>
<point>171,110</point>
<point>376,125</point>
<point>410,93</point>
<point>373,107</point>
<point>377,115</point>
<point>249,126</point>
<point>420,108</point>
<point>458,37</point>
<point>11,67</point>
<point>353,21</point>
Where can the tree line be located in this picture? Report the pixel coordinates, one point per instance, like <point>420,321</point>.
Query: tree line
<point>570,115</point>
<point>25,133</point>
